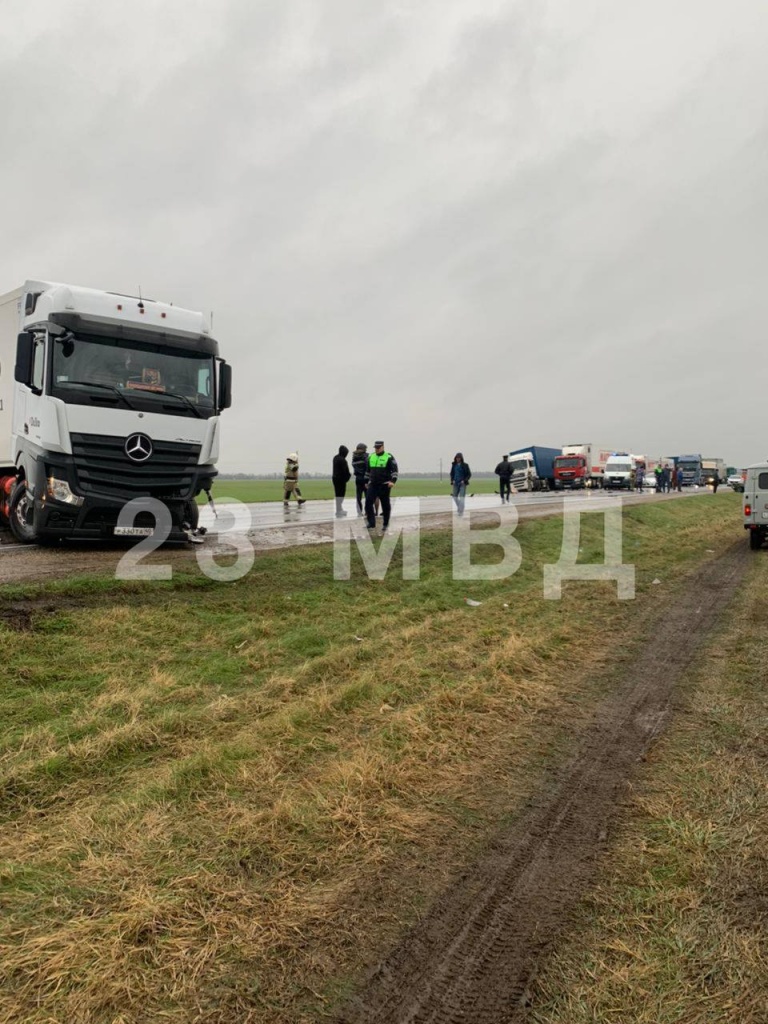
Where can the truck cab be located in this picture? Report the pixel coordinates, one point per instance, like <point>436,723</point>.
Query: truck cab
<point>115,398</point>
<point>755,504</point>
<point>691,468</point>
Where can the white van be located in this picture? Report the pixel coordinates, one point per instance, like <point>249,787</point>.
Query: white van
<point>756,504</point>
<point>620,470</point>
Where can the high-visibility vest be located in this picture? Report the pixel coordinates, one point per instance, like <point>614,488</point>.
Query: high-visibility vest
<point>379,461</point>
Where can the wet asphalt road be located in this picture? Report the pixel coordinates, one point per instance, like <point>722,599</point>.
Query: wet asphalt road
<point>261,517</point>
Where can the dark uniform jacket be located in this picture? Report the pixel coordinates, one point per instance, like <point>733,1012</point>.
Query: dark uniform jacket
<point>381,469</point>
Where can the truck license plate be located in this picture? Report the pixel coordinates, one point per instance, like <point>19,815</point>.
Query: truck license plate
<point>134,531</point>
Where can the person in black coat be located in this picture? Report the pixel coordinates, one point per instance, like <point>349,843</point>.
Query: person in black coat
<point>340,475</point>
<point>504,472</point>
<point>360,469</point>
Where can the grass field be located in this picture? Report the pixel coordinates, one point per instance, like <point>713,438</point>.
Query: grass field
<point>677,928</point>
<point>220,801</point>
<point>272,490</point>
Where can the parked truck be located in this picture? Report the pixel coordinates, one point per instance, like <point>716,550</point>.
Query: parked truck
<point>533,468</point>
<point>690,466</point>
<point>580,465</point>
<point>712,469</point>
<point>112,398</point>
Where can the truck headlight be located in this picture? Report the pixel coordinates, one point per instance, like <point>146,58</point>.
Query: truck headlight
<point>60,490</point>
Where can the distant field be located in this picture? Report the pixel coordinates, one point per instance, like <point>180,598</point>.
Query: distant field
<point>272,490</point>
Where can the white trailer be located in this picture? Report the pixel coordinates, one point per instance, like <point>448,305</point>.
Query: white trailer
<point>112,398</point>
<point>581,465</point>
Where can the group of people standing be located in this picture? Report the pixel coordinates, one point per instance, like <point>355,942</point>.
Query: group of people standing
<point>667,479</point>
<point>375,475</point>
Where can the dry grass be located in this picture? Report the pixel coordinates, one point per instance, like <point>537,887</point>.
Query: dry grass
<point>219,805</point>
<point>677,931</point>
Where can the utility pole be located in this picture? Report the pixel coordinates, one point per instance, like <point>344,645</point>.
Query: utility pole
<point>441,469</point>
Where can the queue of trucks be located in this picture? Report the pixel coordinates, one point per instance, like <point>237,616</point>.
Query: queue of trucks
<point>580,466</point>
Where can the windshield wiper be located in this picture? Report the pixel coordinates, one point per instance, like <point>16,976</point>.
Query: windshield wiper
<point>105,387</point>
<point>183,398</point>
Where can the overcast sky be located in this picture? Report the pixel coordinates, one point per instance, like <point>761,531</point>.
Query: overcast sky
<point>453,224</point>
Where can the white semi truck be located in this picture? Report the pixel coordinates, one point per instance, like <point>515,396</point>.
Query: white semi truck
<point>112,398</point>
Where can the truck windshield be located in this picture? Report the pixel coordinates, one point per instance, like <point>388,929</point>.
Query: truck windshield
<point>565,462</point>
<point>519,465</point>
<point>88,369</point>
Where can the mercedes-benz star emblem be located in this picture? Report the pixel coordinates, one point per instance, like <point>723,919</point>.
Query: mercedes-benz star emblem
<point>138,447</point>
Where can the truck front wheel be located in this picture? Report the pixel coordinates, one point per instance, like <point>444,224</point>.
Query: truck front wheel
<point>191,514</point>
<point>21,514</point>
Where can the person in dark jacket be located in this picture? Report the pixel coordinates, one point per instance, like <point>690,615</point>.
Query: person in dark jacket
<point>381,477</point>
<point>340,475</point>
<point>460,477</point>
<point>360,469</point>
<point>504,472</point>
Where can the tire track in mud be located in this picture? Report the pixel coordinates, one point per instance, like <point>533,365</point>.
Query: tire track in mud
<point>471,959</point>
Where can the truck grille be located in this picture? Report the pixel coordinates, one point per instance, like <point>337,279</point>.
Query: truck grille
<point>103,467</point>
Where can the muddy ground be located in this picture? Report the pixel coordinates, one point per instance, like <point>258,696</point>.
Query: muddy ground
<point>472,957</point>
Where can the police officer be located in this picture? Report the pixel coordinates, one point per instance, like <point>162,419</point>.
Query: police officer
<point>381,478</point>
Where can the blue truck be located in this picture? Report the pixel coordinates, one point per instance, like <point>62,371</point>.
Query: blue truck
<point>533,468</point>
<point>691,468</point>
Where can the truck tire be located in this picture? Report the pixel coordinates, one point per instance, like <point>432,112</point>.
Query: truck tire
<point>756,539</point>
<point>21,514</point>
<point>191,514</point>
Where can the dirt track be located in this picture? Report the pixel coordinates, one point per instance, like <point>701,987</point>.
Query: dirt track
<point>471,959</point>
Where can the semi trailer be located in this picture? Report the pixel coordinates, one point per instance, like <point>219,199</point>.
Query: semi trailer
<point>581,465</point>
<point>533,468</point>
<point>112,398</point>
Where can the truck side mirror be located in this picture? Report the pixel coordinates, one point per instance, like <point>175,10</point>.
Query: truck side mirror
<point>225,385</point>
<point>24,346</point>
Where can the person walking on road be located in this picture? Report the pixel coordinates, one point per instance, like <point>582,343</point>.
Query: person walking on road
<point>715,483</point>
<point>639,477</point>
<point>340,475</point>
<point>291,481</point>
<point>679,479</point>
<point>657,474</point>
<point>460,477</point>
<point>380,479</point>
<point>360,469</point>
<point>504,472</point>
